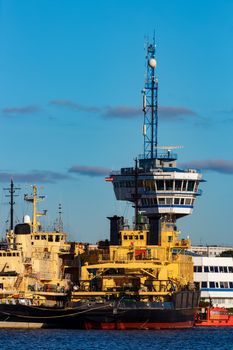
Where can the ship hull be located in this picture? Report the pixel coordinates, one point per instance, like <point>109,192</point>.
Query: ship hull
<point>103,318</point>
<point>117,314</point>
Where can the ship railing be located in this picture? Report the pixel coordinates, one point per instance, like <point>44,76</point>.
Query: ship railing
<point>115,172</point>
<point>132,257</point>
<point>51,288</point>
<point>182,243</point>
<point>166,155</point>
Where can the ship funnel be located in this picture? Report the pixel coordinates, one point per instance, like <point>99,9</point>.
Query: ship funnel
<point>116,223</point>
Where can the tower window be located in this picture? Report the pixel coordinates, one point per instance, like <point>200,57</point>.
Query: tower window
<point>169,185</point>
<point>191,185</point>
<point>178,184</point>
<point>160,185</point>
<point>169,201</point>
<point>161,200</point>
<point>184,185</point>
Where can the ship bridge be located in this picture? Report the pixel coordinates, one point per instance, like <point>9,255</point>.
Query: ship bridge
<point>162,189</point>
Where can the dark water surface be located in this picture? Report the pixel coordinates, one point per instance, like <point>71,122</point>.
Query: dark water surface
<point>197,338</point>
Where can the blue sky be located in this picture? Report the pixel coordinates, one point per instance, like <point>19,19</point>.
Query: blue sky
<point>70,104</point>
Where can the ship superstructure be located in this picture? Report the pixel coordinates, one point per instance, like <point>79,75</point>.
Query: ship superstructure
<point>36,262</point>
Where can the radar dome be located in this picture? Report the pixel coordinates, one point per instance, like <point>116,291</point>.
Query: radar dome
<point>152,62</point>
<point>26,219</point>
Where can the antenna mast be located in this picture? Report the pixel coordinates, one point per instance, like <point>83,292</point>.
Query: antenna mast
<point>12,194</point>
<point>59,225</point>
<point>150,104</point>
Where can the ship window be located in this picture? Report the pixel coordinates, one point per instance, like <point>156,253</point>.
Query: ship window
<point>177,201</point>
<point>50,238</point>
<point>216,284</point>
<point>216,269</point>
<point>152,185</point>
<point>181,201</point>
<point>190,185</point>
<point>220,268</point>
<point>141,237</point>
<point>130,237</point>
<point>0,254</point>
<point>169,185</point>
<point>178,184</point>
<point>62,237</point>
<point>17,254</point>
<point>136,237</point>
<point>43,237</point>
<point>196,186</point>
<point>225,269</point>
<point>160,185</point>
<point>37,237</point>
<point>57,238</point>
<point>188,201</point>
<point>161,200</point>
<point>231,284</point>
<point>169,238</point>
<point>223,284</point>
<point>204,284</point>
<point>184,186</point>
<point>230,268</point>
<point>4,254</point>
<point>211,269</point>
<point>197,268</point>
<point>125,237</point>
<point>8,254</point>
<point>212,284</point>
<point>206,268</point>
<point>169,201</point>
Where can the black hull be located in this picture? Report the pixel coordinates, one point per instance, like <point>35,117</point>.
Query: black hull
<point>118,314</point>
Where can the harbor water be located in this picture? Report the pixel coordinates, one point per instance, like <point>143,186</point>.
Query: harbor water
<point>196,338</point>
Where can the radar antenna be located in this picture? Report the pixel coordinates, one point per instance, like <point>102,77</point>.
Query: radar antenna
<point>150,104</point>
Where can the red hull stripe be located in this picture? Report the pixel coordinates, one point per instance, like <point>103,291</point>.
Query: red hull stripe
<point>135,325</point>
<point>214,324</point>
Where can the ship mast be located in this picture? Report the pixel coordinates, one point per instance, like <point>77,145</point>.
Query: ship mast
<point>12,195</point>
<point>136,204</point>
<point>34,199</point>
<point>150,104</point>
